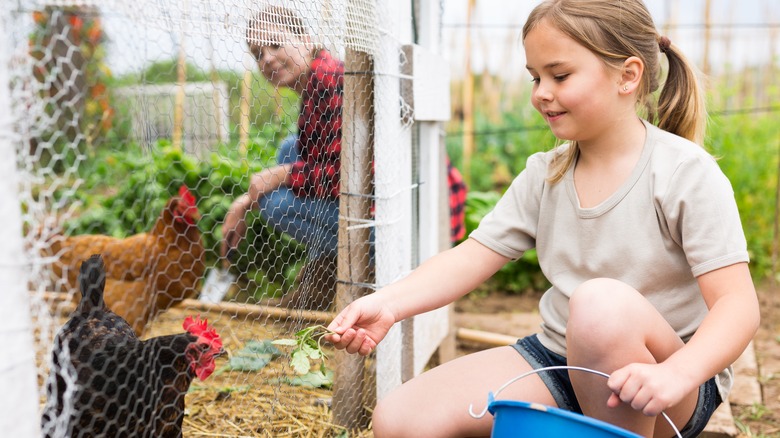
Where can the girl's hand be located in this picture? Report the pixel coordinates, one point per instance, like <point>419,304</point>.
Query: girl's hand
<point>649,388</point>
<point>361,325</point>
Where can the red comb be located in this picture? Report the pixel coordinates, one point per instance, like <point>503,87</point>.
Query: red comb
<point>186,196</point>
<point>201,329</point>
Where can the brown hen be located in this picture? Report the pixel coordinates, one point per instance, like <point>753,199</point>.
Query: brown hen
<point>146,273</point>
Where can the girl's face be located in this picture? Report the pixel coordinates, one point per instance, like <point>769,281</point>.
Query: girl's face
<point>576,93</point>
<point>284,59</point>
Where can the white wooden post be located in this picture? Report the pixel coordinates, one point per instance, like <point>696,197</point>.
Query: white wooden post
<point>409,345</point>
<point>19,400</point>
<point>431,105</point>
<point>393,176</point>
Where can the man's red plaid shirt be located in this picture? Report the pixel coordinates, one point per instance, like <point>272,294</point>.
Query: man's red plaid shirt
<point>319,130</point>
<point>319,142</point>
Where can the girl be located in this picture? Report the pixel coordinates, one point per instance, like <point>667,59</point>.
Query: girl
<point>635,226</point>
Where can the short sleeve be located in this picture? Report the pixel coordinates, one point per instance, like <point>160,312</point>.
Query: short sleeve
<point>510,228</point>
<point>702,216</point>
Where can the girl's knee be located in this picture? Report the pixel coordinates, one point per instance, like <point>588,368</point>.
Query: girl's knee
<point>600,307</point>
<point>599,292</point>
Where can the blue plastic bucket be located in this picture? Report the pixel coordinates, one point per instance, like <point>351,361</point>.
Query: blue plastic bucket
<point>512,418</point>
<point>531,420</point>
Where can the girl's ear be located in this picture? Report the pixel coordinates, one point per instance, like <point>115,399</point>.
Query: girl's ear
<point>631,75</point>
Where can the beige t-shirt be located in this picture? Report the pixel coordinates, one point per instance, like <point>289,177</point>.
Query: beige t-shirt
<point>673,219</point>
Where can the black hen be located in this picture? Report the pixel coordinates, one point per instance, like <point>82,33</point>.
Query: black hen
<point>104,381</point>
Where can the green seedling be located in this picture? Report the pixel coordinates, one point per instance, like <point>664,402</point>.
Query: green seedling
<point>307,347</point>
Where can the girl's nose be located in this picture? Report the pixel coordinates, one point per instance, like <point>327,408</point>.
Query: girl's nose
<point>542,94</point>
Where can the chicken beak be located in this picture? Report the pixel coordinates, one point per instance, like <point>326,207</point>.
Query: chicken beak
<point>194,213</point>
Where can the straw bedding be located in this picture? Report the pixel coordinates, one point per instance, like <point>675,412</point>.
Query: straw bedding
<point>251,403</point>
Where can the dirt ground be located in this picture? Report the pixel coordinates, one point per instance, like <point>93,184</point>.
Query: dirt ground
<point>753,421</point>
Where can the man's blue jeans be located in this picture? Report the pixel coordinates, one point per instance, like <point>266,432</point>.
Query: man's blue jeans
<point>311,221</point>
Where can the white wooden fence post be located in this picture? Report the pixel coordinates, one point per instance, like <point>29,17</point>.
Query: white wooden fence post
<point>431,103</point>
<point>18,386</point>
<point>393,178</point>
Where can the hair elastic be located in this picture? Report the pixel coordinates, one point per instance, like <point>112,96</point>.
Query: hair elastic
<point>664,43</point>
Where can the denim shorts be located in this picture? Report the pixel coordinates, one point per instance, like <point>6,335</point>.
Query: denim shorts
<point>559,384</point>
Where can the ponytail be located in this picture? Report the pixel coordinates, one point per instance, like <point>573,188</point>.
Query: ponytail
<point>681,108</point>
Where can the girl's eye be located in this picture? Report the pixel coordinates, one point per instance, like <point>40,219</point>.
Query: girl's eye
<point>535,80</point>
<point>560,78</point>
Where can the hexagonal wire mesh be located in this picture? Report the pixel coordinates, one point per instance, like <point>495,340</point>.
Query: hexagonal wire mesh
<point>274,124</point>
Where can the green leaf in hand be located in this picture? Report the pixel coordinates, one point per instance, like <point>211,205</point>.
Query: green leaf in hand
<point>307,347</point>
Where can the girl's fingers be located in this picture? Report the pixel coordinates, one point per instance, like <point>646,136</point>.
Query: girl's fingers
<point>613,401</point>
<point>367,347</point>
<point>357,342</point>
<point>617,380</point>
<point>344,339</point>
<point>344,320</point>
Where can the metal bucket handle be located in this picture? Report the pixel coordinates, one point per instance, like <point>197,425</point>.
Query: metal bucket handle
<point>492,396</point>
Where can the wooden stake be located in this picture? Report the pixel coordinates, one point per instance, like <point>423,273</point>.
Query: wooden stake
<point>707,35</point>
<point>468,100</point>
<point>483,337</point>
<point>244,110</point>
<point>63,303</point>
<point>178,106</point>
<point>355,202</point>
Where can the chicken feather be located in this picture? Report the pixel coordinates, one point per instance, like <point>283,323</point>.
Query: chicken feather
<point>146,273</point>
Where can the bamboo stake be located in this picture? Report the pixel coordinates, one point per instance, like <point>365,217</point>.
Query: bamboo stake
<point>769,77</point>
<point>707,35</point>
<point>254,311</point>
<point>178,106</point>
<point>214,78</point>
<point>244,108</point>
<point>468,100</point>
<point>773,51</point>
<point>776,228</point>
<point>250,311</point>
<point>483,337</point>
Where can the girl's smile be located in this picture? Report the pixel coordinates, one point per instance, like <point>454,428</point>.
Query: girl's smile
<point>575,92</point>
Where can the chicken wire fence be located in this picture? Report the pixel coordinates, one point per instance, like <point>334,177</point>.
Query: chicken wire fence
<point>132,127</point>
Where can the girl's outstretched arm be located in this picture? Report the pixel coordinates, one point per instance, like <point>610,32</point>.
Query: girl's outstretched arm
<point>439,281</point>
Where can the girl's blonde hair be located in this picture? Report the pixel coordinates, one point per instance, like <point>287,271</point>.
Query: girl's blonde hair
<point>615,31</point>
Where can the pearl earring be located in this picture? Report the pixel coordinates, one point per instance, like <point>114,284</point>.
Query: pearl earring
<point>625,87</point>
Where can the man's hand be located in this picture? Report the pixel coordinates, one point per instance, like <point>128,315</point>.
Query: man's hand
<point>234,227</point>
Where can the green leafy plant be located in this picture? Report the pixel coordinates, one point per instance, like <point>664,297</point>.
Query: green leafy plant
<point>253,357</point>
<point>307,347</point>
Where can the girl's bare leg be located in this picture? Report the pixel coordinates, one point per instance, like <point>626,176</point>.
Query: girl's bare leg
<point>611,325</point>
<point>436,403</point>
